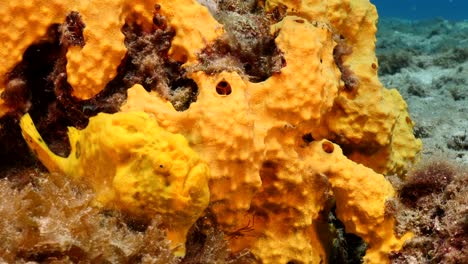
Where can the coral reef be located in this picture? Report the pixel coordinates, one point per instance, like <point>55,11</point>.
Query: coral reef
<point>278,100</point>
<point>261,145</point>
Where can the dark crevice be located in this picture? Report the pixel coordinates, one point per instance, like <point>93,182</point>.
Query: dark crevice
<point>39,94</point>
<point>14,153</point>
<point>308,138</point>
<point>346,248</point>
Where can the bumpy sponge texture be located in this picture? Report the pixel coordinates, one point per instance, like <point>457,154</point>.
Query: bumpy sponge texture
<point>252,135</point>
<point>365,117</point>
<point>91,67</point>
<point>268,144</point>
<point>104,41</point>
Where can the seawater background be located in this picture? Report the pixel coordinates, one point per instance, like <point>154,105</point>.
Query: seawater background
<point>422,48</point>
<point>454,10</point>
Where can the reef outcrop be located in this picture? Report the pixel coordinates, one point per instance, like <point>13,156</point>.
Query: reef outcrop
<point>272,155</point>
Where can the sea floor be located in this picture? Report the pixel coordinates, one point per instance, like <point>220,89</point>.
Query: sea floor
<point>427,61</point>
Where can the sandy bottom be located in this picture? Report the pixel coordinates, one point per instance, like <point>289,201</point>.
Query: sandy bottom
<point>427,61</point>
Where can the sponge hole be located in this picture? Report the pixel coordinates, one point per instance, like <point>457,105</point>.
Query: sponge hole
<point>223,88</point>
<point>328,147</point>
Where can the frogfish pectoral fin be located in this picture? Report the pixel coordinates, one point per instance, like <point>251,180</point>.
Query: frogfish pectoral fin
<point>37,145</point>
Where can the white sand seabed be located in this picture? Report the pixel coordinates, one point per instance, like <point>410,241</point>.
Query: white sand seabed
<point>434,83</point>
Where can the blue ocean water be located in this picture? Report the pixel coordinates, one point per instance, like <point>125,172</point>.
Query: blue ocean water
<point>454,10</point>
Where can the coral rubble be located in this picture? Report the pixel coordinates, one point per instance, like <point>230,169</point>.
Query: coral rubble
<point>433,204</point>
